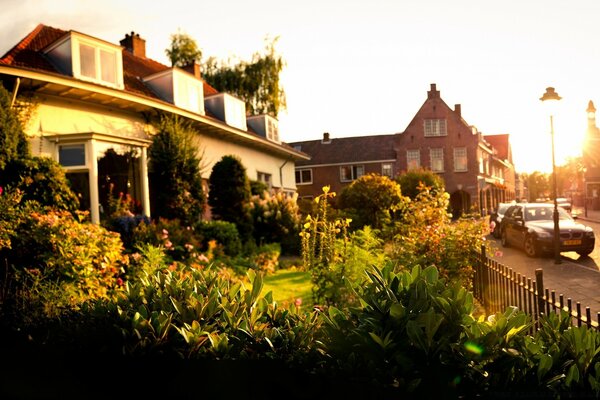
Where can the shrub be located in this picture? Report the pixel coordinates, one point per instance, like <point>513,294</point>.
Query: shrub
<point>411,181</point>
<point>175,172</point>
<point>371,200</point>
<point>225,234</point>
<point>41,179</point>
<point>276,219</point>
<point>13,141</point>
<point>229,189</point>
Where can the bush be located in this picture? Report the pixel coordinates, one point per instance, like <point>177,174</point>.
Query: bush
<point>175,172</point>
<point>276,220</point>
<point>411,181</point>
<point>224,233</point>
<point>13,141</point>
<point>41,179</point>
<point>229,189</point>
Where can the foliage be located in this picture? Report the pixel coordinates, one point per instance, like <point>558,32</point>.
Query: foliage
<point>411,180</point>
<point>183,50</point>
<point>224,234</point>
<point>371,200</point>
<point>258,188</point>
<point>256,82</point>
<point>427,236</point>
<point>276,218</point>
<point>175,172</point>
<point>229,199</point>
<point>59,262</point>
<point>324,255</point>
<point>538,185</point>
<point>13,141</point>
<point>41,179</point>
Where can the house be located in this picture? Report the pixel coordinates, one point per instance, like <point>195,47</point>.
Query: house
<point>477,169</point>
<point>95,104</point>
<point>591,160</point>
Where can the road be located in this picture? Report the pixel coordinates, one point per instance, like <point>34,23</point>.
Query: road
<point>576,277</point>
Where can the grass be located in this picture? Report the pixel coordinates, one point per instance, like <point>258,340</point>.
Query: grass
<point>288,285</point>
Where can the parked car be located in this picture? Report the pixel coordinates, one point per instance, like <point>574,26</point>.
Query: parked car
<point>531,227</point>
<point>496,218</point>
<point>564,203</point>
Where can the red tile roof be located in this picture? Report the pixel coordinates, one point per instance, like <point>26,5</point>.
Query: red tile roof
<point>501,144</point>
<point>27,53</point>
<point>348,149</point>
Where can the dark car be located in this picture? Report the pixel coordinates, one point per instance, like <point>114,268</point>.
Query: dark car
<point>531,227</point>
<point>496,218</point>
<point>564,203</point>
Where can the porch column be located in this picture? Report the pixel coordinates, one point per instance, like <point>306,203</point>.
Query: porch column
<point>93,168</point>
<point>145,185</point>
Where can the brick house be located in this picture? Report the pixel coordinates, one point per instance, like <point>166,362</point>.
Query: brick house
<point>591,160</point>
<point>95,104</point>
<point>477,170</point>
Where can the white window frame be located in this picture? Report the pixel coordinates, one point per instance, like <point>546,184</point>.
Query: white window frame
<point>413,159</point>
<point>74,167</point>
<point>301,181</point>
<point>461,163</point>
<point>98,48</point>
<point>265,178</point>
<point>435,127</point>
<point>387,166</point>
<point>436,159</point>
<point>356,171</point>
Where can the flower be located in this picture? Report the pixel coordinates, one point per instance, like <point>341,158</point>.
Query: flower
<point>298,302</point>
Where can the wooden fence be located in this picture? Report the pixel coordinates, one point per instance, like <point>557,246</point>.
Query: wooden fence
<point>497,287</point>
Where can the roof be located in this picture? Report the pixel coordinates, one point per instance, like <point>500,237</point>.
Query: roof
<point>28,54</point>
<point>501,144</point>
<point>347,150</point>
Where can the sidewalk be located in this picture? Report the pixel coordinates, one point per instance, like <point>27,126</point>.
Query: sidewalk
<point>589,215</point>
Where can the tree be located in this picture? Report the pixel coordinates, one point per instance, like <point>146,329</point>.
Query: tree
<point>229,198</point>
<point>411,180</point>
<point>175,172</point>
<point>183,50</point>
<point>371,200</point>
<point>256,82</point>
<point>13,141</point>
<point>538,185</point>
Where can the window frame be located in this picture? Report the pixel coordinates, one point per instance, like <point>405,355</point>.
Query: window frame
<point>300,171</point>
<point>458,157</point>
<point>354,173</point>
<point>416,152</point>
<point>98,48</point>
<point>440,151</point>
<point>74,167</point>
<point>385,166</point>
<point>435,127</point>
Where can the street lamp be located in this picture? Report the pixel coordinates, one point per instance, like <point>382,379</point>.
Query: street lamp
<point>551,97</point>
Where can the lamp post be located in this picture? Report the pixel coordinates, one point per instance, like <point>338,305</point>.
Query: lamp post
<point>551,97</point>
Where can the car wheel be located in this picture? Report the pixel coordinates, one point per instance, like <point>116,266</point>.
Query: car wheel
<point>504,239</point>
<point>530,246</point>
<point>585,253</point>
<point>496,232</point>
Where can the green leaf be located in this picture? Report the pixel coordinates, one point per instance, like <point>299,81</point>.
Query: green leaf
<point>572,375</point>
<point>544,366</point>
<point>397,311</point>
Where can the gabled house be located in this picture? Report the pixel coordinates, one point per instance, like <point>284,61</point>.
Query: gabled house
<point>95,102</point>
<point>477,170</point>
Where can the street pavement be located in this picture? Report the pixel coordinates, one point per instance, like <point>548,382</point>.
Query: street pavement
<point>578,280</point>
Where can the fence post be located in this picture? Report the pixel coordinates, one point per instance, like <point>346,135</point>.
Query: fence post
<point>539,280</point>
<point>484,280</point>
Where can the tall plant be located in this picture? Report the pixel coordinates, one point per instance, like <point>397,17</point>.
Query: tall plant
<point>175,172</point>
<point>13,141</point>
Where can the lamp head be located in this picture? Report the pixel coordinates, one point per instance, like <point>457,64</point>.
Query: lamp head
<point>550,95</point>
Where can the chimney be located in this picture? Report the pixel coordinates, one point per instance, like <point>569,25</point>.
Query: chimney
<point>458,110</point>
<point>433,93</point>
<point>134,44</point>
<point>326,138</point>
<point>194,69</point>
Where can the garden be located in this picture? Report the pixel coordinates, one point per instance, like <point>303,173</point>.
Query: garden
<point>361,294</point>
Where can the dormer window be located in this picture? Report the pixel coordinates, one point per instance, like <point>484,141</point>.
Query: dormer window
<point>89,59</point>
<point>179,88</point>
<point>265,126</point>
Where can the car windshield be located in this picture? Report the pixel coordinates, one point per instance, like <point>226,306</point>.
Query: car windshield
<point>544,213</point>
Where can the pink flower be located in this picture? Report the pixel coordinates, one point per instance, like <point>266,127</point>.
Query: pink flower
<point>168,244</point>
<point>498,253</point>
<point>119,282</point>
<point>298,302</point>
<point>1,190</point>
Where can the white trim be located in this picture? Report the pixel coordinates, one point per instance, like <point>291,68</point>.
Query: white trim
<point>344,163</point>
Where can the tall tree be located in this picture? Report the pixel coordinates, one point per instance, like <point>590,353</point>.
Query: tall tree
<point>256,82</point>
<point>175,172</point>
<point>183,50</point>
<point>538,185</point>
<point>229,194</point>
<point>410,181</point>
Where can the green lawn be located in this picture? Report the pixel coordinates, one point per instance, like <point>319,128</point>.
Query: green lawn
<point>288,285</point>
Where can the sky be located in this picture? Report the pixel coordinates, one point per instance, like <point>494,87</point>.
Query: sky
<point>358,68</point>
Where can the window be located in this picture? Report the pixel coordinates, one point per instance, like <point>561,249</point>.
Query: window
<point>460,159</point>
<point>98,64</point>
<point>265,178</point>
<point>436,159</point>
<point>72,155</point>
<point>413,159</point>
<point>351,172</point>
<point>386,169</point>
<point>435,127</point>
<point>303,176</point>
